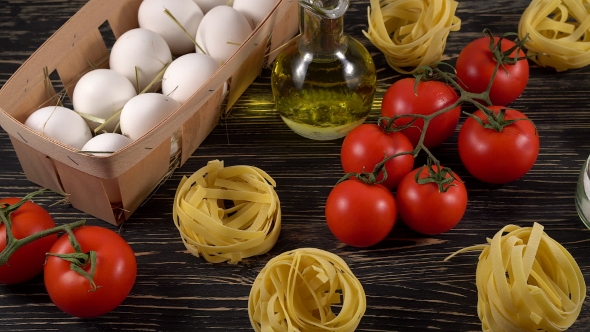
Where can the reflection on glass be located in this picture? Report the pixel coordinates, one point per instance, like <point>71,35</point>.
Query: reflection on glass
<point>583,193</point>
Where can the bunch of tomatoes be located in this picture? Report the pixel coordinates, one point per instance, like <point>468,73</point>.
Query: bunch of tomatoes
<point>88,271</point>
<point>496,144</point>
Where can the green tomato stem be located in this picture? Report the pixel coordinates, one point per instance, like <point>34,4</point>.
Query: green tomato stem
<point>12,243</point>
<point>496,122</point>
<point>79,260</point>
<point>429,73</point>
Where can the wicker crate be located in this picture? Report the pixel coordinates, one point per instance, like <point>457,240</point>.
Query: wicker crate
<point>93,183</point>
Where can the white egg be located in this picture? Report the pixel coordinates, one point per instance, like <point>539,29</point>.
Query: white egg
<point>151,16</point>
<point>207,5</point>
<point>108,143</point>
<point>142,49</point>
<point>102,93</point>
<point>254,10</point>
<point>175,143</point>
<point>221,32</point>
<point>187,74</point>
<point>61,124</point>
<point>144,112</point>
<point>105,144</point>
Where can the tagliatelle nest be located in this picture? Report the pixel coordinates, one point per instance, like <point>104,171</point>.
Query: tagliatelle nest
<point>559,33</point>
<point>296,289</point>
<point>227,213</point>
<point>411,33</point>
<point>526,281</point>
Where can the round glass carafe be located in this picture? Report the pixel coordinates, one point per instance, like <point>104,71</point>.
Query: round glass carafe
<point>324,81</point>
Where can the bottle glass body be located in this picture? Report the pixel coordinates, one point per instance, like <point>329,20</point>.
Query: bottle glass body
<point>323,82</point>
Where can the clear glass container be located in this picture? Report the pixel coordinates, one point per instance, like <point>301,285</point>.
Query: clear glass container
<point>582,194</point>
<point>324,81</point>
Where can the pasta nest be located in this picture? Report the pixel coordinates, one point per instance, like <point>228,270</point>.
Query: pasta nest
<point>411,33</point>
<point>296,289</point>
<point>527,281</point>
<point>558,32</point>
<point>227,213</point>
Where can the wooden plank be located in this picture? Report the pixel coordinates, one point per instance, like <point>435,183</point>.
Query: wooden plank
<point>408,286</point>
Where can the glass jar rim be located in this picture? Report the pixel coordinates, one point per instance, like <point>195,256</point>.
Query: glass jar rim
<point>330,11</point>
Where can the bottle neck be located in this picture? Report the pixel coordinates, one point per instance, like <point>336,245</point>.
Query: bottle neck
<point>323,38</point>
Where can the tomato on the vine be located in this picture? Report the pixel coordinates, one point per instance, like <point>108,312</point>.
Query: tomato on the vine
<point>429,97</point>
<point>475,66</point>
<point>114,275</point>
<point>500,155</point>
<point>360,214</point>
<point>368,144</point>
<point>424,207</point>
<point>26,262</point>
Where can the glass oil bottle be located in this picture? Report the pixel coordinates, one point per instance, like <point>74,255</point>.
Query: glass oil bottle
<point>324,81</point>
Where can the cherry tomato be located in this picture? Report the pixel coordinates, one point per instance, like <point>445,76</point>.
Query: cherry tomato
<point>427,210</point>
<point>27,261</point>
<point>367,145</point>
<point>475,66</point>
<point>360,214</point>
<point>431,96</point>
<point>115,273</point>
<point>498,157</point>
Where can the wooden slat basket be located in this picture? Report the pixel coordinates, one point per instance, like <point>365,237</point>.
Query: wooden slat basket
<point>95,184</point>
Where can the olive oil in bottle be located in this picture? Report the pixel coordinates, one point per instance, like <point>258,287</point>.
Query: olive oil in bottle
<point>324,81</point>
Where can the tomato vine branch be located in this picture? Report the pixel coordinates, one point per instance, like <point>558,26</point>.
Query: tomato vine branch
<point>426,73</point>
<point>12,243</point>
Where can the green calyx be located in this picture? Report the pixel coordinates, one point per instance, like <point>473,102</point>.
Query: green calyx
<point>433,73</point>
<point>504,57</point>
<point>443,177</point>
<point>80,261</point>
<point>495,121</point>
<point>370,178</point>
<point>388,125</point>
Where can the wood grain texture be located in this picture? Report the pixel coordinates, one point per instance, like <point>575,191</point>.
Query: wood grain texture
<point>408,286</point>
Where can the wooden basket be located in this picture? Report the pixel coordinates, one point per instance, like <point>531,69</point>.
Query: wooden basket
<point>95,184</point>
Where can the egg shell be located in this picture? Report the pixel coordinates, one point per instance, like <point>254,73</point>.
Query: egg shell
<point>151,16</point>
<point>102,93</point>
<point>143,49</point>
<point>61,124</point>
<point>254,10</point>
<point>187,74</point>
<point>207,5</point>
<point>221,32</point>
<point>175,143</point>
<point>106,143</point>
<point>144,112</point>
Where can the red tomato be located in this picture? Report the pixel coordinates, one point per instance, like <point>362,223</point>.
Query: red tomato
<point>360,214</point>
<point>116,269</point>
<point>427,210</point>
<point>498,156</point>
<point>431,96</point>
<point>367,145</point>
<point>475,66</point>
<point>27,261</point>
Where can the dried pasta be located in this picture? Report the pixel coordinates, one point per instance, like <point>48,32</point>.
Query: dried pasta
<point>295,291</point>
<point>527,281</point>
<point>227,213</point>
<point>559,33</point>
<point>411,33</point>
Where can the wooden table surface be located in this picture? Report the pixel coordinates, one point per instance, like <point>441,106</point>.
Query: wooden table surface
<point>408,286</point>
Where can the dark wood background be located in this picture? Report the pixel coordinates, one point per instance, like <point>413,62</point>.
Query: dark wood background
<point>408,286</point>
